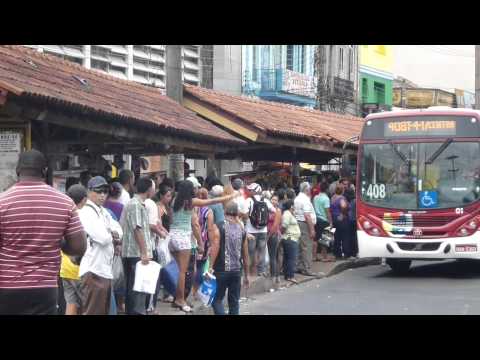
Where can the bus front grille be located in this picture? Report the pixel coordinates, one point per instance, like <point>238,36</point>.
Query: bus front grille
<point>408,246</point>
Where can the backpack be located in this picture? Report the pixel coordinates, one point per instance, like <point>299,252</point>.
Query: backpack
<point>259,214</point>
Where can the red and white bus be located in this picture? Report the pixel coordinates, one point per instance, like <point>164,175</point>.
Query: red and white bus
<point>418,181</point>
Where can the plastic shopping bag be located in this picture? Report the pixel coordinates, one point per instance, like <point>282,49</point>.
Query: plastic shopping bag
<point>208,288</point>
<point>169,277</point>
<point>146,277</point>
<point>118,274</point>
<point>164,256</point>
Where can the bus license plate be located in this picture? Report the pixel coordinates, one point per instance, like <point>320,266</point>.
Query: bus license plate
<point>466,248</point>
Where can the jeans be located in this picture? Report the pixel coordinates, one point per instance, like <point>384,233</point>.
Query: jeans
<point>272,244</point>
<point>113,304</point>
<point>257,249</point>
<point>231,281</point>
<point>305,248</point>
<point>134,301</point>
<point>343,244</point>
<point>290,249</point>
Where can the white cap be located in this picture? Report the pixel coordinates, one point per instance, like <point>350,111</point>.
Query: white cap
<point>194,181</point>
<point>255,188</point>
<point>217,191</point>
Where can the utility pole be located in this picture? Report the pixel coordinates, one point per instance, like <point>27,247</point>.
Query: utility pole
<point>477,77</point>
<point>174,85</point>
<point>322,76</point>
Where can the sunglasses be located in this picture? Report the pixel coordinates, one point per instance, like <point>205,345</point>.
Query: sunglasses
<point>101,191</point>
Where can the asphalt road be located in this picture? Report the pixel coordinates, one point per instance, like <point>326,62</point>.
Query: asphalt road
<point>430,288</point>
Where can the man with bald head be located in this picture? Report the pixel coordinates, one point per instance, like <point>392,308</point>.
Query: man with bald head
<point>34,217</point>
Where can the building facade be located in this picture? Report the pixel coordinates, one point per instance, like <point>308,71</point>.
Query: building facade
<point>376,78</point>
<point>336,73</point>
<point>141,63</point>
<point>290,73</point>
<point>283,73</point>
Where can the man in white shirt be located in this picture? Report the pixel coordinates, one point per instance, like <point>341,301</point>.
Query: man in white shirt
<point>103,232</point>
<point>257,242</point>
<point>126,178</point>
<point>155,232</point>
<point>305,215</point>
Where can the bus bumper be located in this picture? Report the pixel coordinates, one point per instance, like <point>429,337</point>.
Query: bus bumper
<point>467,247</point>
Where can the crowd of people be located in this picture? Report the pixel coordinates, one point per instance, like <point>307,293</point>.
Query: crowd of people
<point>90,240</point>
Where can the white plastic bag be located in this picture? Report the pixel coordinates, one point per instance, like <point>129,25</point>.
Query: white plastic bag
<point>146,277</point>
<point>164,256</point>
<point>118,275</point>
<point>208,288</point>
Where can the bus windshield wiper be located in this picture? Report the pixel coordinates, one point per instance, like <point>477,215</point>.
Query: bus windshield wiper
<point>399,153</point>
<point>437,153</point>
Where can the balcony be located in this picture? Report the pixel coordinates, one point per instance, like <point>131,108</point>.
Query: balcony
<point>281,85</point>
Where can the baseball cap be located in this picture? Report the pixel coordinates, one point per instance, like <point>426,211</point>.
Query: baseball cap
<point>217,191</point>
<point>254,187</point>
<point>237,184</point>
<point>194,181</point>
<point>97,182</point>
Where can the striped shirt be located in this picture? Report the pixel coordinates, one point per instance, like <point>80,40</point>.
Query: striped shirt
<point>135,215</point>
<point>34,217</point>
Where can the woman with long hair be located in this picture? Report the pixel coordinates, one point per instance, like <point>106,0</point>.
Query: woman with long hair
<point>340,208</point>
<point>183,221</point>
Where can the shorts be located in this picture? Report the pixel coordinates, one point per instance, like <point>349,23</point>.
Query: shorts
<point>180,240</point>
<point>72,290</point>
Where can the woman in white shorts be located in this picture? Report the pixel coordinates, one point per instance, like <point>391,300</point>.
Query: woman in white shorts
<point>181,233</point>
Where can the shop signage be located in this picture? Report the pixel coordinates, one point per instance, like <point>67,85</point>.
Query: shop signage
<point>299,84</point>
<point>10,148</point>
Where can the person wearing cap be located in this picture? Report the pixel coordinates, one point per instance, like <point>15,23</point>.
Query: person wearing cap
<point>257,242</point>
<point>218,211</point>
<point>306,217</point>
<point>103,234</point>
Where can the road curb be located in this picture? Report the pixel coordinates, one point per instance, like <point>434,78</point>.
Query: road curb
<point>262,286</point>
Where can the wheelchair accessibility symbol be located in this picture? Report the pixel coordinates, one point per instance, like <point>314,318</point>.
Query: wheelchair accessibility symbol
<point>428,199</point>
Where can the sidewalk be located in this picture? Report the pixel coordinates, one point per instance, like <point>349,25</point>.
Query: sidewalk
<point>260,285</point>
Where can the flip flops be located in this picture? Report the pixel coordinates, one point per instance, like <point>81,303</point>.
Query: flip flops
<point>185,308</point>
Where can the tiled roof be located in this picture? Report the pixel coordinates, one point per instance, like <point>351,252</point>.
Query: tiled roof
<point>281,119</point>
<point>27,72</point>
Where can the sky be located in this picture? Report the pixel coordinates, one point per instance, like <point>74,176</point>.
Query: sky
<point>439,66</point>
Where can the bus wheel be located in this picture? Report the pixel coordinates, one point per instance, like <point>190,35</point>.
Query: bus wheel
<point>399,266</point>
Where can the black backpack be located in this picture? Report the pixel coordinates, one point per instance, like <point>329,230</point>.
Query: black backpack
<point>259,214</point>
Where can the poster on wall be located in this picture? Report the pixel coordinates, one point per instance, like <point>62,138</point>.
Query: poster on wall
<point>10,148</point>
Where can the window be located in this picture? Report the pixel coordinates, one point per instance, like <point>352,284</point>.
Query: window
<point>100,51</point>
<point>99,65</point>
<point>379,90</point>
<point>350,62</point>
<point>290,57</point>
<point>364,90</point>
<point>340,60</point>
<point>254,62</point>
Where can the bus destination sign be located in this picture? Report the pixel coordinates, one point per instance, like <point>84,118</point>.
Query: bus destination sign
<point>420,128</point>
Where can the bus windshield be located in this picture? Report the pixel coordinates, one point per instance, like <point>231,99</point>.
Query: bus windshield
<point>412,176</point>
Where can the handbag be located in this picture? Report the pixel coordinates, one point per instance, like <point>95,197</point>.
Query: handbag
<point>326,238</point>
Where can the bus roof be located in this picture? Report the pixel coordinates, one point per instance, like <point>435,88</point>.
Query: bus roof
<point>419,112</point>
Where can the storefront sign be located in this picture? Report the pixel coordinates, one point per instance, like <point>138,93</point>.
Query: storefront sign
<point>10,148</point>
<point>299,84</point>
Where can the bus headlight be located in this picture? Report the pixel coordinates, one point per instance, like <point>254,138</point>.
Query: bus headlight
<point>369,227</point>
<point>468,228</point>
